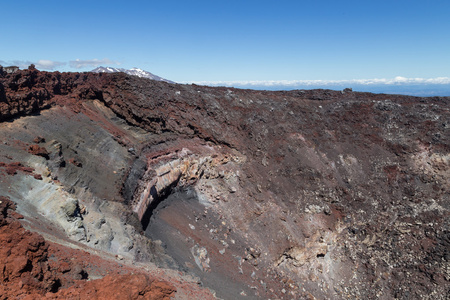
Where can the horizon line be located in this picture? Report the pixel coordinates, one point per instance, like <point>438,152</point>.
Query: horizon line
<point>398,80</point>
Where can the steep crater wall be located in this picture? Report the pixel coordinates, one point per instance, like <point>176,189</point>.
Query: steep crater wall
<point>326,194</point>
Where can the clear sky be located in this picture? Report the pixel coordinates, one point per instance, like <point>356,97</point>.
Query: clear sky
<point>189,41</point>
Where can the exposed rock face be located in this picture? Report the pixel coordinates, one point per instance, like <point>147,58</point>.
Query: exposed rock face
<point>324,194</point>
<point>31,270</point>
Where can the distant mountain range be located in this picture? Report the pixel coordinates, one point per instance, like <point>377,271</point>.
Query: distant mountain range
<point>134,71</point>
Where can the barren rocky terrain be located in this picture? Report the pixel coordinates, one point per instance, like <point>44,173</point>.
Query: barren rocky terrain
<point>114,186</point>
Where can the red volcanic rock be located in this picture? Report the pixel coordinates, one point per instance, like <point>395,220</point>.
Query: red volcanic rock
<point>23,256</point>
<point>27,91</point>
<point>31,270</point>
<point>39,151</point>
<point>39,139</point>
<point>13,167</point>
<point>11,170</point>
<point>6,206</point>
<point>75,162</point>
<point>137,286</point>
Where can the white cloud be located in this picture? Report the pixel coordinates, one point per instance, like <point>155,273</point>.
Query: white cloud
<point>292,83</point>
<point>78,63</point>
<point>48,64</point>
<point>19,63</point>
<point>42,64</point>
<point>45,64</point>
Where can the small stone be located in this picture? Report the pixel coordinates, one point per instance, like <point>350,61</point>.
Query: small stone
<point>39,139</point>
<point>76,162</point>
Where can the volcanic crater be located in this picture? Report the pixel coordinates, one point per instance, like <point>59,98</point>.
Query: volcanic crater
<point>119,187</point>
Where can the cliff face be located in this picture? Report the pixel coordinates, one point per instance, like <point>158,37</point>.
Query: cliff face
<point>259,194</point>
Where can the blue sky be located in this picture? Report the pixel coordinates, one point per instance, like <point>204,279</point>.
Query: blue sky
<point>223,41</point>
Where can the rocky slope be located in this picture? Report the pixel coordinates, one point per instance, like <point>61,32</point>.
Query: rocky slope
<point>252,194</point>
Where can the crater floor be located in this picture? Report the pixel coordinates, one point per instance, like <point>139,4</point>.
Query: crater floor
<point>200,244</point>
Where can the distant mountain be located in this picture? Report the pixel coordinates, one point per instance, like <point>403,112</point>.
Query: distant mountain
<point>134,71</point>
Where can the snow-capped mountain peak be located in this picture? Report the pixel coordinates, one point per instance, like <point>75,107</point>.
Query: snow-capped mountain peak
<point>134,71</point>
